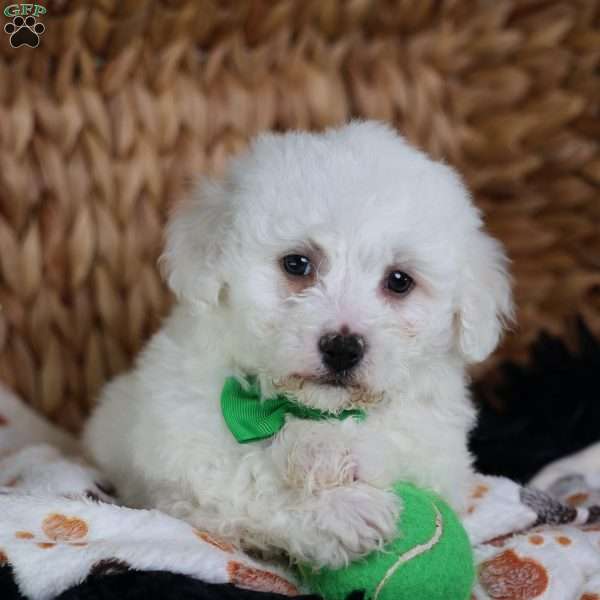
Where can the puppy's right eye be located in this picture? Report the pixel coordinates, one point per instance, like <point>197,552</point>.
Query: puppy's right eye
<point>297,265</point>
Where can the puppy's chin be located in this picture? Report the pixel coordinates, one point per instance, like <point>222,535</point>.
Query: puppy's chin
<point>328,393</point>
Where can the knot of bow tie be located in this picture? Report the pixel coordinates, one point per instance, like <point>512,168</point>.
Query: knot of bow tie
<point>250,417</point>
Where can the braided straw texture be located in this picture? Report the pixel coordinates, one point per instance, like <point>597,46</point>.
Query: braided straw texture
<point>101,125</point>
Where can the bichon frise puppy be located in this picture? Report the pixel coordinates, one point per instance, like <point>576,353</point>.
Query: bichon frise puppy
<point>345,271</point>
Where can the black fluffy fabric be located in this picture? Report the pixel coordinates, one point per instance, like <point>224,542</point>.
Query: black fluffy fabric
<point>8,586</point>
<point>549,408</point>
<point>158,585</point>
<point>142,585</point>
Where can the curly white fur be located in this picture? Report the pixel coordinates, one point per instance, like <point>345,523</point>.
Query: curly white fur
<point>362,201</point>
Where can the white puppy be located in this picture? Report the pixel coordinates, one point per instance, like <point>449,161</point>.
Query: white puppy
<point>348,270</point>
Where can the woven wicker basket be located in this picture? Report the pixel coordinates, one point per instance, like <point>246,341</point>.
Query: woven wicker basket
<point>102,123</point>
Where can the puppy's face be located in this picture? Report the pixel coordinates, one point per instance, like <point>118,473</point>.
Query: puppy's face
<point>343,264</point>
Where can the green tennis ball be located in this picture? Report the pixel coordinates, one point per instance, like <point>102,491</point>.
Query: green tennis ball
<point>431,559</point>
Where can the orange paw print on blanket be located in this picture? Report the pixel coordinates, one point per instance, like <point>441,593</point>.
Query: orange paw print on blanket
<point>477,493</point>
<point>249,578</point>
<point>510,577</point>
<point>59,528</point>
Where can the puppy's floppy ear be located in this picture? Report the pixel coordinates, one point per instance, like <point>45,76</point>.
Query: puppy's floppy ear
<point>485,303</point>
<point>196,237</point>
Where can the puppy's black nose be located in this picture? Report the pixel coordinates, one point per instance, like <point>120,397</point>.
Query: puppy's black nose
<point>341,352</point>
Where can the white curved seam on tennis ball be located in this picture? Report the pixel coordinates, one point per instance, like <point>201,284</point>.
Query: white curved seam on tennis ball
<point>414,552</point>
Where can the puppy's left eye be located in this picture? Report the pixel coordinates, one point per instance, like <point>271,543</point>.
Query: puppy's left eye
<point>399,282</point>
<point>297,265</point>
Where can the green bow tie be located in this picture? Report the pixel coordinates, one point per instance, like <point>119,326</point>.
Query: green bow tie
<point>251,418</point>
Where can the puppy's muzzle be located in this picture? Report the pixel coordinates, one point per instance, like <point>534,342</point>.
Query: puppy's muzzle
<point>341,353</point>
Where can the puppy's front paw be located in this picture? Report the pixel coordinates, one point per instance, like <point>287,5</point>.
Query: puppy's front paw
<point>352,522</point>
